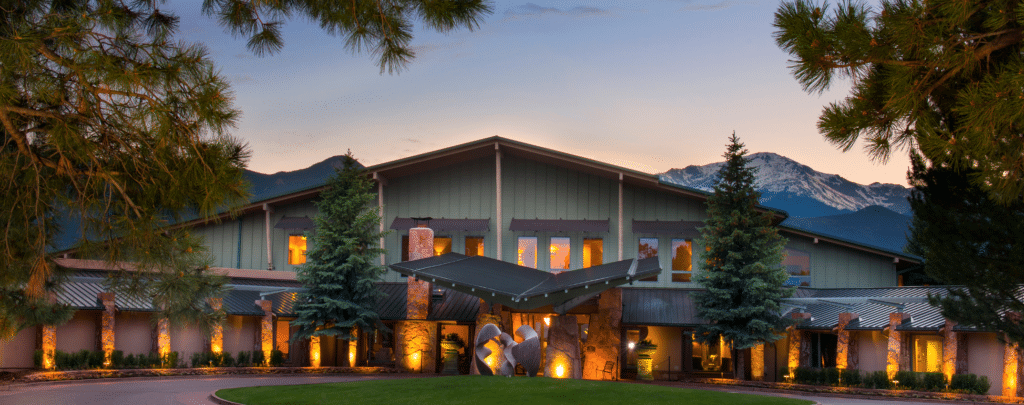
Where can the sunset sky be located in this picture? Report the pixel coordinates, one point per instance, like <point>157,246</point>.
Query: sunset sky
<point>650,85</point>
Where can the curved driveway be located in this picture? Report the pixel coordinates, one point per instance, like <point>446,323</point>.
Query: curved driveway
<point>195,390</point>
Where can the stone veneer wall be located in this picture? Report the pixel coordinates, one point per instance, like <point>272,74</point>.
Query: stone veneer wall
<point>563,348</point>
<point>604,338</point>
<point>416,343</point>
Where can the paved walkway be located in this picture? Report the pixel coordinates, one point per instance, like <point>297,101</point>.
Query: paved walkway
<point>195,390</point>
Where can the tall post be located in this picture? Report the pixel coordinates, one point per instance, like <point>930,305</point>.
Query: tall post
<point>107,326</point>
<point>266,227</point>
<point>380,210</point>
<point>795,342</point>
<point>1011,358</point>
<point>843,340</point>
<point>163,337</point>
<point>604,338</point>
<point>497,203</point>
<point>757,362</point>
<point>895,346</point>
<point>949,349</point>
<point>562,359</point>
<point>48,344</point>
<point>621,233</point>
<point>417,337</point>
<point>266,328</point>
<point>217,331</point>
<point>314,351</point>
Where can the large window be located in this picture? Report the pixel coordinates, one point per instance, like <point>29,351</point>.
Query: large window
<point>798,265</point>
<point>648,248</point>
<point>681,263</point>
<point>296,249</point>
<point>823,349</point>
<point>593,252</point>
<point>474,246</point>
<point>928,353</point>
<point>527,251</point>
<point>442,245</point>
<point>560,253</point>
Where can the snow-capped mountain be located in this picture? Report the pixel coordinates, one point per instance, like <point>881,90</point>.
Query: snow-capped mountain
<point>800,190</point>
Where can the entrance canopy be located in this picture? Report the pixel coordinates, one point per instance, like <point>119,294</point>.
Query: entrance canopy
<point>525,288</point>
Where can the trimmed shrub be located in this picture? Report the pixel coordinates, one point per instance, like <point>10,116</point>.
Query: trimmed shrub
<point>276,358</point>
<point>37,359</point>
<point>153,360</point>
<point>258,359</point>
<point>784,373</point>
<point>969,383</point>
<point>878,380</point>
<point>850,377</point>
<point>830,376</point>
<point>807,375</point>
<point>130,362</point>
<point>908,380</point>
<point>226,360</point>
<point>117,359</point>
<point>169,360</point>
<point>981,386</point>
<point>933,381</point>
<point>82,359</point>
<point>243,359</point>
<point>96,358</point>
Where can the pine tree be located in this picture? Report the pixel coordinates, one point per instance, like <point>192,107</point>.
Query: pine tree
<point>110,130</point>
<point>741,270</point>
<point>340,274</point>
<point>971,242</point>
<point>942,77</point>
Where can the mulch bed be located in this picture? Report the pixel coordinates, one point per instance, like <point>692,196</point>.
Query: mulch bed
<point>40,376</point>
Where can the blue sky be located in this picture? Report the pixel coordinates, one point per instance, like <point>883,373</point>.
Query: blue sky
<point>650,85</point>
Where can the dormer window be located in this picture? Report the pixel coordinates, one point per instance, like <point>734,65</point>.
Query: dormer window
<point>296,249</point>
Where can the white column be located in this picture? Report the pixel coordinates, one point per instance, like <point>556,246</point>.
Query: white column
<point>270,252</point>
<point>498,221</point>
<point>621,242</point>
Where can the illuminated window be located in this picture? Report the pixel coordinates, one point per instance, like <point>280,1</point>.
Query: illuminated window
<point>296,249</point>
<point>442,245</point>
<point>928,353</point>
<point>593,252</point>
<point>798,264</point>
<point>648,248</point>
<point>527,251</point>
<point>474,246</point>
<point>681,264</point>
<point>560,254</point>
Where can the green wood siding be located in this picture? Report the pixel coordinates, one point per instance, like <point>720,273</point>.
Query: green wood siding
<point>645,204</point>
<point>835,266</point>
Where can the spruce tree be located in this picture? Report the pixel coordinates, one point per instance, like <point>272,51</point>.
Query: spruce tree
<point>972,243</point>
<point>340,273</point>
<point>740,270</point>
<point>942,77</point>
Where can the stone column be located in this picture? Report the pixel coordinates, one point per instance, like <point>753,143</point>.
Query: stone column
<point>107,326</point>
<point>416,340</point>
<point>266,328</point>
<point>421,245</point>
<point>163,336</point>
<point>562,359</point>
<point>314,351</point>
<point>949,349</point>
<point>48,344</point>
<point>895,346</point>
<point>1011,358</point>
<point>217,331</point>
<point>843,341</point>
<point>603,337</point>
<point>796,342</point>
<point>757,362</point>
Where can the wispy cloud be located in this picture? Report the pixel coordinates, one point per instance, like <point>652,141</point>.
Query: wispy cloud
<point>533,10</point>
<point>722,5</point>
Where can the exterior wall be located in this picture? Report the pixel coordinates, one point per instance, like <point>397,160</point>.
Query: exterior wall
<point>79,333</point>
<point>669,350</point>
<point>985,357</point>
<point>240,333</point>
<point>18,352</point>
<point>463,190</point>
<point>644,204</point>
<point>133,332</point>
<point>834,266</point>
<point>188,340</point>
<point>872,350</point>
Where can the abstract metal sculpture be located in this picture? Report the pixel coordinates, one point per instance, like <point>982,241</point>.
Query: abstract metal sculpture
<point>488,332</point>
<point>526,353</point>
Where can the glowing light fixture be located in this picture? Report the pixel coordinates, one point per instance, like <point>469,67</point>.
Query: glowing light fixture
<point>560,371</point>
<point>547,321</point>
<point>631,345</point>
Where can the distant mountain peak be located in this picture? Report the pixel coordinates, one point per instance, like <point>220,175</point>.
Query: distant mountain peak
<point>797,188</point>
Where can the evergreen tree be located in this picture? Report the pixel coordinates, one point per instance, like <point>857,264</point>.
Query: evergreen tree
<point>969,241</point>
<point>942,77</point>
<point>340,273</point>
<point>741,268</point>
<point>113,130</point>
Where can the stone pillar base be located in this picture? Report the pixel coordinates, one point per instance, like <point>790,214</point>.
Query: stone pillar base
<point>416,341</point>
<point>562,359</point>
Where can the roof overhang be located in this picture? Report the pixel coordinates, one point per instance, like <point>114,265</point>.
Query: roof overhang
<point>525,288</point>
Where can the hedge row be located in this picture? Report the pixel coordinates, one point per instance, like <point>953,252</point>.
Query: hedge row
<point>908,380</point>
<point>94,359</point>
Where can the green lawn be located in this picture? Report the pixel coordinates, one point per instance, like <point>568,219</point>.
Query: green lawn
<point>490,391</point>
